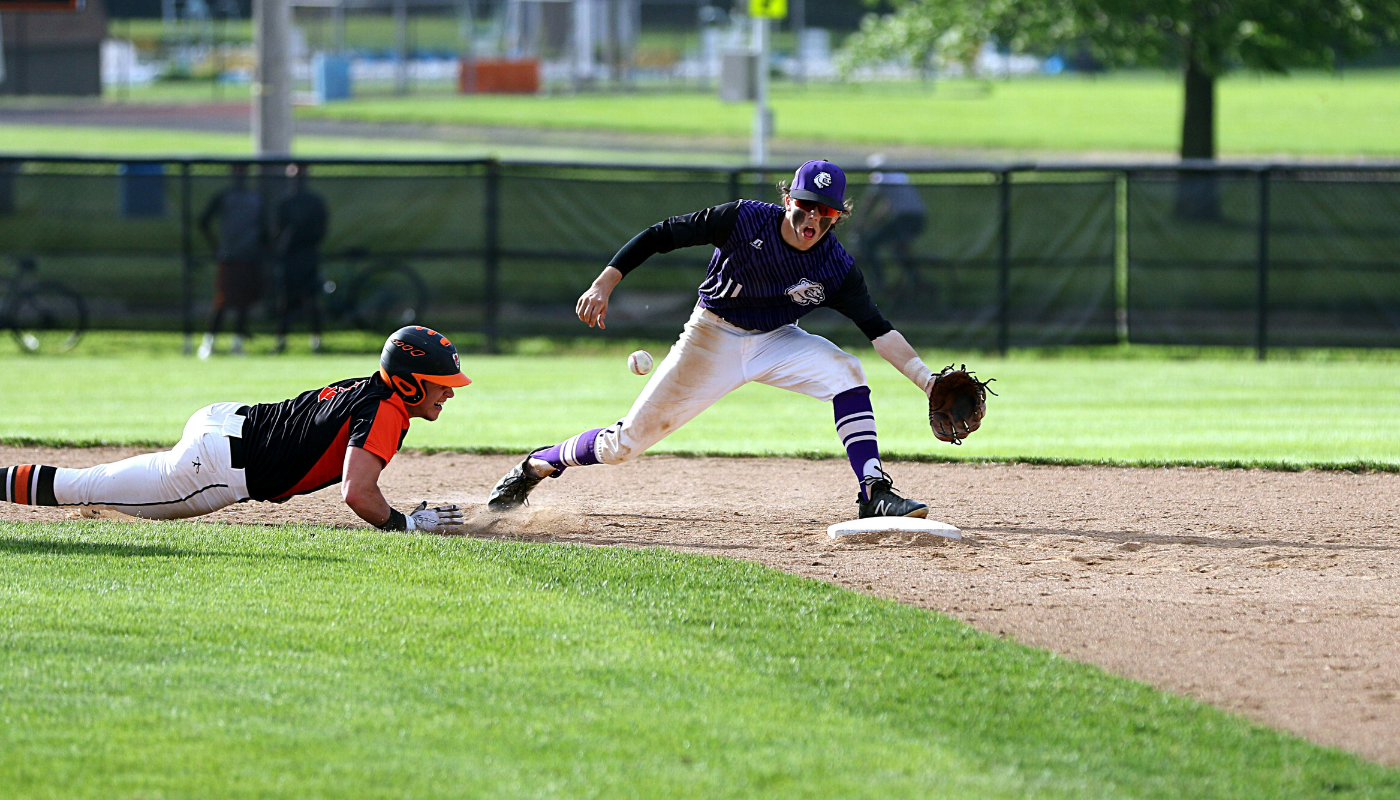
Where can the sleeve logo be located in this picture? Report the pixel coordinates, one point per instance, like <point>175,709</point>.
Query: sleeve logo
<point>806,293</point>
<point>331,391</point>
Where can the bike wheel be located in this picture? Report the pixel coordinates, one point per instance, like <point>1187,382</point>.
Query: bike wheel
<point>49,318</point>
<point>387,297</point>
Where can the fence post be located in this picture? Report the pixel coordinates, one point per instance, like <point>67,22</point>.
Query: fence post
<point>1004,268</point>
<point>493,253</point>
<point>187,252</point>
<point>734,185</point>
<point>1262,301</point>
<point>1120,256</point>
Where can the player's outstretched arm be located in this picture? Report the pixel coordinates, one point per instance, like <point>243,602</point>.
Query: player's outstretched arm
<point>359,487</point>
<point>592,305</point>
<point>894,348</point>
<point>957,400</point>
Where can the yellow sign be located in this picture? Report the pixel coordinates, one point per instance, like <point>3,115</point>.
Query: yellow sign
<point>768,9</point>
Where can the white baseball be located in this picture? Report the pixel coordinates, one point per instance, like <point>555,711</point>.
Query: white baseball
<point>639,362</point>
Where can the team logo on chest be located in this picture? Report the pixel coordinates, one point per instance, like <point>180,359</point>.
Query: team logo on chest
<point>806,293</point>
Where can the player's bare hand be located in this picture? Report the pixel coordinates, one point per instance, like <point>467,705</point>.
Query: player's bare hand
<point>439,519</point>
<point>593,306</point>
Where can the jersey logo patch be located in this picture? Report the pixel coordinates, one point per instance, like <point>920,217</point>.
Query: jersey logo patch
<point>331,391</point>
<point>806,293</point>
<point>757,244</point>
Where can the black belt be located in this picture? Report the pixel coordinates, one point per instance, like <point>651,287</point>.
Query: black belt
<point>235,443</point>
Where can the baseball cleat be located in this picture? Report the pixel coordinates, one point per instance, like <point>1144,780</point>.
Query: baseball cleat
<point>884,502</point>
<point>513,490</point>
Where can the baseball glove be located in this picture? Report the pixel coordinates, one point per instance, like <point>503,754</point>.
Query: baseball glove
<point>957,402</point>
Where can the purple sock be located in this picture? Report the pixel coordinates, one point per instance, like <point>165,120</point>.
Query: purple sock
<point>576,451</point>
<point>855,424</point>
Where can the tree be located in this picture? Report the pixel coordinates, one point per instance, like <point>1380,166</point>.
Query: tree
<point>1205,37</point>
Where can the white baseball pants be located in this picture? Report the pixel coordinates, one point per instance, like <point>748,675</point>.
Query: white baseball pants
<point>191,479</point>
<point>713,358</point>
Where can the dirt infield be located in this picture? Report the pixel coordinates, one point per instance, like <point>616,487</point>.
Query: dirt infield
<point>1273,595</point>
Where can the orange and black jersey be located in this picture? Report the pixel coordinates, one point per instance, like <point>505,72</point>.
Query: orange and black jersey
<point>298,446</point>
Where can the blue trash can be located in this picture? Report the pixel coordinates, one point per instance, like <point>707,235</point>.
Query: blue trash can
<point>142,190</point>
<point>330,77</point>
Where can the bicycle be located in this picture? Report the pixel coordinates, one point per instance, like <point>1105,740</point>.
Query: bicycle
<point>384,296</point>
<point>42,316</point>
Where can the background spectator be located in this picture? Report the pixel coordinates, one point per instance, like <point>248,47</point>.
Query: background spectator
<point>240,248</point>
<point>892,215</point>
<point>299,228</point>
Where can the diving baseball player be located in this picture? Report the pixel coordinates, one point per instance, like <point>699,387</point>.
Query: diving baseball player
<point>230,453</point>
<point>772,265</point>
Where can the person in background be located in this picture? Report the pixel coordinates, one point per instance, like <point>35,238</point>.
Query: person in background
<point>299,226</point>
<point>892,217</point>
<point>240,248</point>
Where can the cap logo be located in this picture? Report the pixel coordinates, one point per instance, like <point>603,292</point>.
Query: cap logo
<point>457,362</point>
<point>822,180</point>
<point>408,348</point>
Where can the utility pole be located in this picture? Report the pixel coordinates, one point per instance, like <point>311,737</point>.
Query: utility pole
<point>761,11</point>
<point>272,84</point>
<point>762,117</point>
<point>400,47</point>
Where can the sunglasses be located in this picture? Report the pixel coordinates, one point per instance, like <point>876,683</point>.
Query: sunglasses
<point>812,207</point>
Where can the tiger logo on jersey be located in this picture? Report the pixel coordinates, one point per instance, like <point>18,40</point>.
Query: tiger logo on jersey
<point>806,293</point>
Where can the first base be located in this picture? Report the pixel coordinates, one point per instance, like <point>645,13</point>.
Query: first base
<point>875,526</point>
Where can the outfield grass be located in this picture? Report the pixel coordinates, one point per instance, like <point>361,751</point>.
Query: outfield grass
<point>65,140</point>
<point>1306,114</point>
<point>188,660</point>
<point>1073,408</point>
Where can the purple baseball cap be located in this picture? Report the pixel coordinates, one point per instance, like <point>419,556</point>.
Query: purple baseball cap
<point>821,182</point>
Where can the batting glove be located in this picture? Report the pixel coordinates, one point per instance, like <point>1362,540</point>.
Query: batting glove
<point>441,519</point>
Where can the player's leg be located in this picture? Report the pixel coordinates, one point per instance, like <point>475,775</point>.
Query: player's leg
<point>314,306</point>
<point>704,365</point>
<point>240,330</point>
<point>206,347</point>
<point>911,226</point>
<point>193,478</point>
<point>289,304</point>
<point>793,359</point>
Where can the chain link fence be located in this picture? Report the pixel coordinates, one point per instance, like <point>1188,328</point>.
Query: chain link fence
<point>968,257</point>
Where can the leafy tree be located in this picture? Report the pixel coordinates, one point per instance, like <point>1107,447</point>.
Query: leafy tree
<point>1206,37</point>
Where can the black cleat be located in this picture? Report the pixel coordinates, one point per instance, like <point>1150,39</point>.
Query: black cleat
<point>513,490</point>
<point>884,502</point>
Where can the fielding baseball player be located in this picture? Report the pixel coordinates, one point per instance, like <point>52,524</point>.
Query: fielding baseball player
<point>772,265</point>
<point>230,453</point>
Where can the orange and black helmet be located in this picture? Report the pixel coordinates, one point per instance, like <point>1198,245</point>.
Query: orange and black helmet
<point>416,354</point>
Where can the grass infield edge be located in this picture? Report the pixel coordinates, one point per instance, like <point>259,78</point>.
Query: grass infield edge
<point>1359,466</point>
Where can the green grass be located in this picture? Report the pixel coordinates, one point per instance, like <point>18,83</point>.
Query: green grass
<point>1312,114</point>
<point>1308,114</point>
<point>1082,406</point>
<point>65,140</point>
<point>211,661</point>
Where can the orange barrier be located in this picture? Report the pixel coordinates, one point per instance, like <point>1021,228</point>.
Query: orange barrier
<point>498,76</point>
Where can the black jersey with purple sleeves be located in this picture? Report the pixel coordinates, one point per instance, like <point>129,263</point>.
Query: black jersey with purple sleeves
<point>756,280</point>
<point>298,446</point>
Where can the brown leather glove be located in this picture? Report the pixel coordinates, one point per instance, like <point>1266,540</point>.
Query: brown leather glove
<point>957,402</point>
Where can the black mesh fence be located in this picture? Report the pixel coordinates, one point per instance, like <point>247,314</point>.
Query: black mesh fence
<point>1282,257</point>
<point>984,258</point>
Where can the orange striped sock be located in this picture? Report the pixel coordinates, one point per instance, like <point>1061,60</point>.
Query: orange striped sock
<point>28,484</point>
